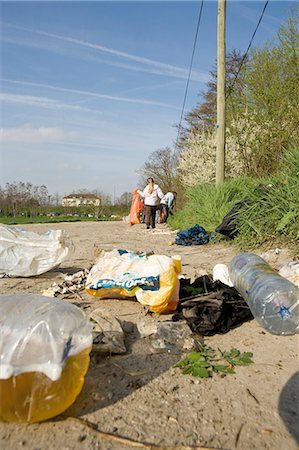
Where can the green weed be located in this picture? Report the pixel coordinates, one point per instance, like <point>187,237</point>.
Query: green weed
<point>206,361</point>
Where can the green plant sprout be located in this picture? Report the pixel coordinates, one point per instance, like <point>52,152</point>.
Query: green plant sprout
<point>207,360</point>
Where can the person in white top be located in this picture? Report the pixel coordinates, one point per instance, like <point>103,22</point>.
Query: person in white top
<point>167,203</point>
<point>152,195</point>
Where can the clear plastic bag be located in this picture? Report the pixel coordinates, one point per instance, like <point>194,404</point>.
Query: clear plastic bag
<point>24,253</point>
<point>44,356</point>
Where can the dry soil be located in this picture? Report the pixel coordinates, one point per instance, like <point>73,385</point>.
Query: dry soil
<point>140,396</point>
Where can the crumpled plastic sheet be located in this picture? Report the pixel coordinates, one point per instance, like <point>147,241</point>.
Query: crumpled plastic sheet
<point>24,253</point>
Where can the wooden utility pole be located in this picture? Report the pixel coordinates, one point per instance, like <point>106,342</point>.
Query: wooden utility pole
<point>221,68</point>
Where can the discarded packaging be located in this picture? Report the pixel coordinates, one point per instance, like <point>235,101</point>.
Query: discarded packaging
<point>44,356</point>
<point>211,307</point>
<point>290,270</point>
<point>220,273</point>
<point>24,253</point>
<point>273,300</point>
<point>152,279</point>
<point>70,286</point>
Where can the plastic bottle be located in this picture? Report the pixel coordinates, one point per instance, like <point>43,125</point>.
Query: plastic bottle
<point>44,356</point>
<point>273,300</point>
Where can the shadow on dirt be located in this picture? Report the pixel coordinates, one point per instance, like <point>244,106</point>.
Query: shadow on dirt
<point>288,406</point>
<point>111,378</point>
<point>208,308</point>
<point>60,270</point>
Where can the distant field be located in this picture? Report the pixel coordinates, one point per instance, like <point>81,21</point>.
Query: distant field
<point>54,219</point>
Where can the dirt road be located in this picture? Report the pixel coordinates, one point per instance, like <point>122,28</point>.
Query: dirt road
<point>141,396</point>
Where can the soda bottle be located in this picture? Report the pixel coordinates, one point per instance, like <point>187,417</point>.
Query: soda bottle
<point>44,356</point>
<point>273,300</point>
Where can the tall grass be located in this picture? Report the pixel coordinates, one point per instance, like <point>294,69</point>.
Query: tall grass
<point>207,204</point>
<point>271,214</point>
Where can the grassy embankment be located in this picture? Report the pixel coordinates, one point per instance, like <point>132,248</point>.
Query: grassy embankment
<point>270,215</point>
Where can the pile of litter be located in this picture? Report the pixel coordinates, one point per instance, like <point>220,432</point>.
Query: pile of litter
<point>71,285</point>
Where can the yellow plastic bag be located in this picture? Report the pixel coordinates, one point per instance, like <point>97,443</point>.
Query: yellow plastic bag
<point>153,279</point>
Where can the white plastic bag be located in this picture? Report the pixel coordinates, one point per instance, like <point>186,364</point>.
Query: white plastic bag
<point>25,253</point>
<point>220,273</point>
<point>152,279</point>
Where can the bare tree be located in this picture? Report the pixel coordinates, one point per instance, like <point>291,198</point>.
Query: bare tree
<point>23,198</point>
<point>204,115</point>
<point>161,165</point>
<point>125,199</point>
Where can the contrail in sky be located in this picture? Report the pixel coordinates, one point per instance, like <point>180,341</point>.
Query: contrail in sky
<point>92,94</point>
<point>166,69</point>
<point>42,102</point>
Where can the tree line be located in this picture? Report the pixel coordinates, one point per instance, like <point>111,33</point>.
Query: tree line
<point>29,200</point>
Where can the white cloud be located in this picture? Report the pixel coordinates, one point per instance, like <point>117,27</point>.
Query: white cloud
<point>42,102</point>
<point>28,134</point>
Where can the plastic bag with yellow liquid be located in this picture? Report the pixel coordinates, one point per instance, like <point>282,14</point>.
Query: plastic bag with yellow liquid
<point>44,356</point>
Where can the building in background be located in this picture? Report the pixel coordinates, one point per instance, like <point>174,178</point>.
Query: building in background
<point>81,200</point>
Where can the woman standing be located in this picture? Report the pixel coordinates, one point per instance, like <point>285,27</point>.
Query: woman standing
<point>152,195</point>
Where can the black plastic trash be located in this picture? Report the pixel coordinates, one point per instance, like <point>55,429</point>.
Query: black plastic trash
<point>216,308</point>
<point>229,224</point>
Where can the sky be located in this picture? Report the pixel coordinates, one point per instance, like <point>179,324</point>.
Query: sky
<point>90,89</point>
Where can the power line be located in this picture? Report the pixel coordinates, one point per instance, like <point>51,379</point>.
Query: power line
<point>190,69</point>
<point>248,48</point>
<point>192,57</point>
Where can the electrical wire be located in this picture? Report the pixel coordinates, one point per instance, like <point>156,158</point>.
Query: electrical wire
<point>192,57</point>
<point>189,74</point>
<point>248,48</point>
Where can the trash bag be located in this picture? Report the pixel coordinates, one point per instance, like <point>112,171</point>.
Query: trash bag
<point>135,208</point>
<point>218,309</point>
<point>152,279</point>
<point>44,356</point>
<point>196,235</point>
<point>24,253</point>
<point>229,225</point>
